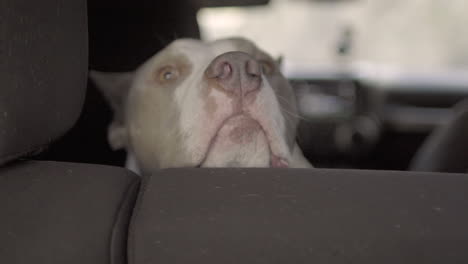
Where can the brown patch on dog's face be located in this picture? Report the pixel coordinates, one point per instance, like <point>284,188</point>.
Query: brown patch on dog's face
<point>245,132</point>
<point>210,105</point>
<point>279,84</point>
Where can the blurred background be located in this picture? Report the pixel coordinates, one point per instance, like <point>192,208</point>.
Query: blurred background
<point>417,34</point>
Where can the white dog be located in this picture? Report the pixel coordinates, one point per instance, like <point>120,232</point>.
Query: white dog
<point>196,104</point>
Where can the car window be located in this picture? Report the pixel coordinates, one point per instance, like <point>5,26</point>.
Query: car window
<point>417,34</point>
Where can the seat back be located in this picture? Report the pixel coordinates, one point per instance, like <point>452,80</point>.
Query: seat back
<point>52,212</point>
<point>43,69</point>
<point>300,216</point>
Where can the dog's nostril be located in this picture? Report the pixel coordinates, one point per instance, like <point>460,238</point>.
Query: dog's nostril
<point>220,70</point>
<point>253,68</point>
<point>226,70</point>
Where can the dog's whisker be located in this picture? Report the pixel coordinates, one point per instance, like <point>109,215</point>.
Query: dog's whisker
<point>295,115</point>
<point>292,113</point>
<point>289,104</point>
<point>285,101</point>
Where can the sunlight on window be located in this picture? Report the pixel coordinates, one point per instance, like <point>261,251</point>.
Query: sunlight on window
<point>417,34</point>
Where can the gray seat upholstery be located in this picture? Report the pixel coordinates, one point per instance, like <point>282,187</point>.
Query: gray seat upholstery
<point>446,149</point>
<point>43,68</point>
<point>52,212</point>
<point>300,216</point>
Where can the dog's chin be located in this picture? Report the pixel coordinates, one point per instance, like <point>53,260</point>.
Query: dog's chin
<point>241,142</point>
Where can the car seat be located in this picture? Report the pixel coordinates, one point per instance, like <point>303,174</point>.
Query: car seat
<point>52,212</point>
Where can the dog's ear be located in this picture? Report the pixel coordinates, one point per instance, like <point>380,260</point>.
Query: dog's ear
<point>279,60</point>
<point>115,87</point>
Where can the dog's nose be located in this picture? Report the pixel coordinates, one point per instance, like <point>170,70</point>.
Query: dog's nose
<point>235,72</point>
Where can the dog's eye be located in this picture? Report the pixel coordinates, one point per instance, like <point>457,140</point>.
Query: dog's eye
<point>168,73</point>
<point>267,67</point>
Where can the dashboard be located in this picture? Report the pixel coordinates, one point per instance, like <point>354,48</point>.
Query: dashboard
<point>367,117</point>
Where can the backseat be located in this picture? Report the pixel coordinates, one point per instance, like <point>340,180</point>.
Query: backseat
<point>66,212</point>
<point>52,212</point>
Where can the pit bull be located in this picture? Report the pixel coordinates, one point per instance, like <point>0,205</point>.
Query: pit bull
<point>195,104</point>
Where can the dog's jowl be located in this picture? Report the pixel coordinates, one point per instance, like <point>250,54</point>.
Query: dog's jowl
<point>196,104</point>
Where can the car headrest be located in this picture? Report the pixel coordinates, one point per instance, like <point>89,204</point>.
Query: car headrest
<point>43,72</point>
<point>300,216</point>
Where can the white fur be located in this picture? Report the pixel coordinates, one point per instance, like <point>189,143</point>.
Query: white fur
<point>196,133</point>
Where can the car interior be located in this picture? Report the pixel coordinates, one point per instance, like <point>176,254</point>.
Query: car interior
<point>389,147</point>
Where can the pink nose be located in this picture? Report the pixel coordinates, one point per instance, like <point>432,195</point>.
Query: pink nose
<point>235,73</point>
